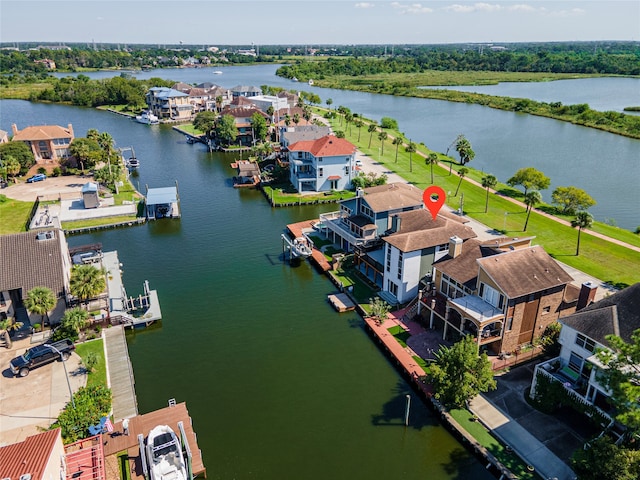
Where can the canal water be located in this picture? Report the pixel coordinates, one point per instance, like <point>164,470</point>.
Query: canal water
<point>277,383</point>
<point>604,165</point>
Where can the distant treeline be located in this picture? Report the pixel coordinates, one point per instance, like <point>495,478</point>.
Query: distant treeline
<point>618,58</point>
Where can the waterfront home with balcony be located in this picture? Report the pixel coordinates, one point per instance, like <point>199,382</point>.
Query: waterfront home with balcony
<point>242,119</point>
<point>169,104</point>
<point>363,219</point>
<point>577,368</point>
<point>321,165</point>
<point>49,143</point>
<point>504,292</point>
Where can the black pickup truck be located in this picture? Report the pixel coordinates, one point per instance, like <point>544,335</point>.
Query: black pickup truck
<point>41,355</point>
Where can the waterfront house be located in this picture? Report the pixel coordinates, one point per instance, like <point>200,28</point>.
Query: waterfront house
<point>169,104</point>
<point>363,219</point>
<point>242,119</point>
<point>293,134</point>
<point>4,136</point>
<point>321,165</point>
<point>33,259</point>
<point>49,143</point>
<point>504,292</point>
<point>263,102</point>
<point>412,244</point>
<point>577,367</point>
<point>245,91</point>
<point>38,457</point>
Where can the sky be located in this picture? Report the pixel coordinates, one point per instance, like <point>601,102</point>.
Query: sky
<point>309,22</point>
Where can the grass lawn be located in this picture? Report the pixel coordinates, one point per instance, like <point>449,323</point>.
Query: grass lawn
<point>99,374</point>
<point>95,222</point>
<point>602,259</point>
<point>488,441</point>
<point>14,215</point>
<point>286,195</point>
<point>400,334</point>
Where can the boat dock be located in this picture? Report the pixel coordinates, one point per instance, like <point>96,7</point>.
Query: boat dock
<point>341,302</point>
<point>297,230</point>
<point>119,373</point>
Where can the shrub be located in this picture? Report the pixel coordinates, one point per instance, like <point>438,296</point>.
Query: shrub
<point>91,403</point>
<point>57,171</point>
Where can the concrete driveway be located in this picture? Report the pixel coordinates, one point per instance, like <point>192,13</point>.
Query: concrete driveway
<point>34,401</point>
<point>52,186</point>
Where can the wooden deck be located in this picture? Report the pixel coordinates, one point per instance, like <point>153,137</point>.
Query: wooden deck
<point>116,441</point>
<point>120,373</point>
<point>296,230</point>
<point>341,302</point>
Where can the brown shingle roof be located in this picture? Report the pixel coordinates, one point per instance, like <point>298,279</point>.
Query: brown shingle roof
<point>419,230</point>
<point>29,456</point>
<point>393,196</point>
<point>464,268</point>
<point>524,271</point>
<point>43,132</point>
<point>617,314</point>
<point>26,262</point>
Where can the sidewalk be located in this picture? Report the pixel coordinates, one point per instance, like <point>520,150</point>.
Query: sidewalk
<point>511,433</point>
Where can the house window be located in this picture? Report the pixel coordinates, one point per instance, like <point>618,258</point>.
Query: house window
<point>346,170</point>
<point>509,323</point>
<point>586,343</point>
<point>320,172</point>
<point>388,258</point>
<point>333,184</point>
<point>392,287</point>
<point>399,265</point>
<point>546,309</point>
<point>365,210</point>
<point>575,363</point>
<point>492,296</point>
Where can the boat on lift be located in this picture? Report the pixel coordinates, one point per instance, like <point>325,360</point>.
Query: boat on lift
<point>147,118</point>
<point>164,454</point>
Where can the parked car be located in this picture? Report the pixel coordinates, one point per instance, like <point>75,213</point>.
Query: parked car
<point>41,355</point>
<point>358,162</point>
<point>38,177</point>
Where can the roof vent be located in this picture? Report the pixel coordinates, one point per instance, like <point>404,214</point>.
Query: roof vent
<point>26,476</point>
<point>45,235</point>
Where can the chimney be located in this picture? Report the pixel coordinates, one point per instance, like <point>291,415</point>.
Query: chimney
<point>359,192</point>
<point>455,246</point>
<point>14,128</point>
<point>587,295</point>
<point>71,130</point>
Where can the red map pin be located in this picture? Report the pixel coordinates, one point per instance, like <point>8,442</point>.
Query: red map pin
<point>433,198</point>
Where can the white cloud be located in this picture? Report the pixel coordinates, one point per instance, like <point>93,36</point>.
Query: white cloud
<point>574,12</point>
<point>364,5</point>
<point>411,8</point>
<point>521,8</point>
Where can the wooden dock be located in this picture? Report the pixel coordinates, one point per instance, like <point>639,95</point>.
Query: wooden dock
<point>120,374</point>
<point>318,258</point>
<point>341,302</point>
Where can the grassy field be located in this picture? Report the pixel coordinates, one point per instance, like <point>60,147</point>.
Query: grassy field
<point>14,215</point>
<point>22,91</point>
<point>96,222</point>
<point>99,374</point>
<point>602,259</point>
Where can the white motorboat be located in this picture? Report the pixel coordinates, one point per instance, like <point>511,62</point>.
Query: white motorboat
<point>310,82</point>
<point>132,163</point>
<point>147,118</point>
<point>164,454</point>
<point>217,72</point>
<point>301,247</point>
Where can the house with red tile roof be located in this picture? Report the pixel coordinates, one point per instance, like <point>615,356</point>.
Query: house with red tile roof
<point>38,457</point>
<point>49,143</point>
<point>321,165</point>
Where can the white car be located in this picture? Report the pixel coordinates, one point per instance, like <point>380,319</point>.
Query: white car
<point>358,162</point>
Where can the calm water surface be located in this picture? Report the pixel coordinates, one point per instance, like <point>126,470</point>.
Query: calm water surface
<point>278,385</point>
<point>604,165</point>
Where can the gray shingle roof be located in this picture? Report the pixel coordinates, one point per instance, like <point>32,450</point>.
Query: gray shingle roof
<point>26,262</point>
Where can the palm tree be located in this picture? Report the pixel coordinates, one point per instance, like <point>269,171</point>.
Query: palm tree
<point>372,128</point>
<point>40,300</point>
<point>488,181</point>
<point>348,118</point>
<point>6,326</point>
<point>86,282</point>
<point>463,147</point>
<point>329,102</point>
<point>12,166</point>
<point>583,220</point>
<point>531,199</point>
<point>358,123</point>
<point>76,318</point>
<point>296,118</point>
<point>382,136</point>
<point>462,172</point>
<point>410,148</point>
<point>431,160</point>
<point>397,141</point>
<point>219,103</point>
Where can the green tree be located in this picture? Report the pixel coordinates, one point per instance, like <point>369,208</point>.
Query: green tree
<point>462,172</point>
<point>397,141</point>
<point>91,404</point>
<point>90,361</point>
<point>382,136</point>
<point>296,118</point>
<point>21,152</point>
<point>379,310</point>
<point>205,122</point>
<point>75,318</point>
<point>463,147</point>
<point>583,220</point>
<point>86,282</point>
<point>459,373</point>
<point>410,149</point>
<point>372,128</point>
<point>259,125</point>
<point>531,199</point>
<point>571,199</point>
<point>348,118</point>
<point>11,166</point>
<point>40,300</point>
<point>601,459</point>
<point>226,130</point>
<point>530,178</point>
<point>329,102</point>
<point>431,160</point>
<point>488,181</point>
<point>388,123</point>
<point>6,327</point>
<point>340,134</point>
<point>358,123</point>
<point>86,151</point>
